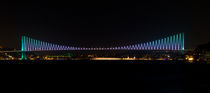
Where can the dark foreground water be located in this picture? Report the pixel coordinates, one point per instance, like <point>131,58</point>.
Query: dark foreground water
<point>83,77</point>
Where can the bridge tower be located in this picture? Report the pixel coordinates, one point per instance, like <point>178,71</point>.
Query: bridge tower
<point>171,43</point>
<point>23,44</point>
<point>183,48</point>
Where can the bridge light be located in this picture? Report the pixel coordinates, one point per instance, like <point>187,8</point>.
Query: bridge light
<point>183,41</point>
<point>180,41</point>
<point>141,46</point>
<point>136,47</point>
<point>120,48</point>
<point>159,48</point>
<point>162,44</point>
<point>174,42</point>
<point>150,45</point>
<point>177,41</point>
<point>171,42</point>
<point>165,44</point>
<point>156,45</point>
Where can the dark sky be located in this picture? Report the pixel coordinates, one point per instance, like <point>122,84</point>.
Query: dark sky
<point>103,23</point>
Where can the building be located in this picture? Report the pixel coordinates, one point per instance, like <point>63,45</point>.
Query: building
<point>202,52</point>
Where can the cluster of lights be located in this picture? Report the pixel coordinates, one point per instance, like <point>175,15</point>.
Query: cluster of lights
<point>175,42</point>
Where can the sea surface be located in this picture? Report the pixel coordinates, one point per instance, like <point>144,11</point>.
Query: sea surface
<point>112,76</point>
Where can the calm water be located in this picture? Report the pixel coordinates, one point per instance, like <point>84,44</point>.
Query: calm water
<point>158,78</point>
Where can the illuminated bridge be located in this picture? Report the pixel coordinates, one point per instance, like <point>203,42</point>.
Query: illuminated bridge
<point>170,43</point>
<point>175,42</point>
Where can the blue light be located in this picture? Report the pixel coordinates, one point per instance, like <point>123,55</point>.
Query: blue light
<point>162,44</point>
<point>150,45</point>
<point>159,45</point>
<point>156,45</point>
<point>168,43</point>
<point>183,41</point>
<point>153,44</point>
<point>165,44</point>
<point>174,42</point>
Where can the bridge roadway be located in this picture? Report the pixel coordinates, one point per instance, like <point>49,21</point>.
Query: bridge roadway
<point>10,51</point>
<point>15,51</point>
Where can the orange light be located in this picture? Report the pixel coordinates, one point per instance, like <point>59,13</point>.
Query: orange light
<point>105,58</point>
<point>191,59</point>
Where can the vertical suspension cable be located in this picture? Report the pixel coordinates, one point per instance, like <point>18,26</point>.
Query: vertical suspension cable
<point>177,42</point>
<point>183,46</point>
<point>171,42</point>
<point>174,42</point>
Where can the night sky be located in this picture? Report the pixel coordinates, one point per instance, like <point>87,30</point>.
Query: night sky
<point>103,23</point>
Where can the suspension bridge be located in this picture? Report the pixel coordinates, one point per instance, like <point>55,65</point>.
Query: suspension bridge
<point>170,43</point>
<point>174,42</point>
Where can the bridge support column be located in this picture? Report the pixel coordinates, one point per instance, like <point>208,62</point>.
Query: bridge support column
<point>23,56</point>
<point>183,46</point>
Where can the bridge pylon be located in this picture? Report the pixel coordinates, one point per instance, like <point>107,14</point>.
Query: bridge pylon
<point>171,43</point>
